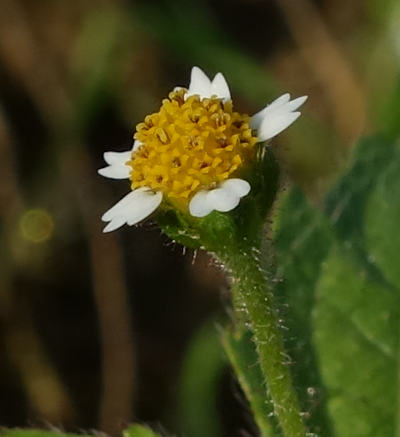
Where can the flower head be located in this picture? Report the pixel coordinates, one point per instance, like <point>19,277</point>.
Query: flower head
<point>191,152</point>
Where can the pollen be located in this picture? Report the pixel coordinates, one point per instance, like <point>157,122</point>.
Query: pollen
<point>189,145</point>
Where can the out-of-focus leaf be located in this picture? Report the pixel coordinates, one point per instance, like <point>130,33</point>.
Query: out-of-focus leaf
<point>139,431</point>
<point>379,10</point>
<point>382,222</point>
<point>36,433</point>
<point>131,431</point>
<point>346,203</point>
<point>391,113</point>
<point>202,369</point>
<point>381,51</point>
<point>93,61</point>
<point>243,357</point>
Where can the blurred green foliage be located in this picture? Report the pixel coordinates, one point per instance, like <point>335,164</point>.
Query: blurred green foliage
<point>139,431</point>
<point>131,431</point>
<point>36,433</point>
<point>197,407</point>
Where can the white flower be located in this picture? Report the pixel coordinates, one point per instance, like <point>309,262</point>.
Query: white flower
<point>187,152</point>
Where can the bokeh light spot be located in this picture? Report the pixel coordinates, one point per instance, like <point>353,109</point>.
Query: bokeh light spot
<point>36,225</point>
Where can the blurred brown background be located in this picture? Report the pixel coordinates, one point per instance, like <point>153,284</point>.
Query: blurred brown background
<point>98,330</point>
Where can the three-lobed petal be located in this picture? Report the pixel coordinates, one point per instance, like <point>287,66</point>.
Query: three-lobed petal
<point>201,85</point>
<point>276,116</point>
<point>133,208</point>
<point>223,198</point>
<point>117,168</point>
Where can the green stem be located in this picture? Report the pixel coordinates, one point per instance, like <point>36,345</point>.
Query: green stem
<point>252,295</point>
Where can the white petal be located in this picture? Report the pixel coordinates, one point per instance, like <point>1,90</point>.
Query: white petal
<point>223,199</point>
<point>219,87</point>
<point>296,103</point>
<point>114,224</point>
<point>257,118</point>
<point>237,186</point>
<point>115,171</point>
<point>199,205</point>
<point>275,123</point>
<point>199,84</point>
<point>276,117</point>
<point>284,98</point>
<point>116,168</point>
<point>131,209</point>
<point>149,202</point>
<point>117,157</point>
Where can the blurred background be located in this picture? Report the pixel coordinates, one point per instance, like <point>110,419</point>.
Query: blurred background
<point>99,330</point>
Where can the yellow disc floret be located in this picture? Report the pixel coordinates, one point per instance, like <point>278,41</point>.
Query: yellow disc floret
<point>189,145</point>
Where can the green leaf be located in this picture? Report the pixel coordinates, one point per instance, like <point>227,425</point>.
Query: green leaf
<point>356,335</point>
<point>346,203</point>
<point>340,280</point>
<point>382,222</point>
<point>302,241</point>
<point>243,357</point>
<point>139,431</point>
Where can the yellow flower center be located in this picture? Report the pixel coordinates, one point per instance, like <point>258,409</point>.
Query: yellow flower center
<point>190,145</point>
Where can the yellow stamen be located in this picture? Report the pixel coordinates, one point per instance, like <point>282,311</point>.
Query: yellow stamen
<point>190,145</point>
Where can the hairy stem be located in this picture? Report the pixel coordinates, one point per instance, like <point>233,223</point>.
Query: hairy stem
<point>252,296</point>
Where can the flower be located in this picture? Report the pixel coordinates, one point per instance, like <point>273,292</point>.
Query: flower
<point>190,153</point>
